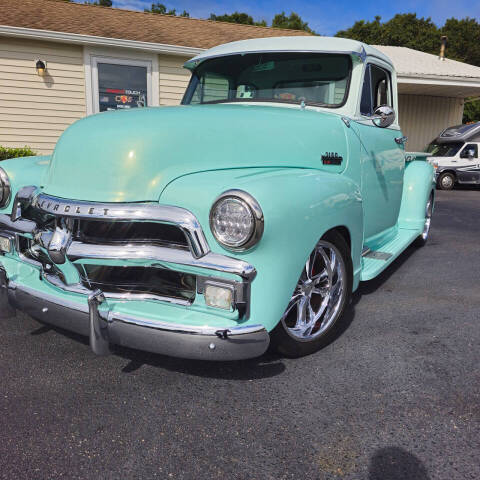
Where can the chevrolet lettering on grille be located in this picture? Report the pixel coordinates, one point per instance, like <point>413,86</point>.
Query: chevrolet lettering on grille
<point>72,209</point>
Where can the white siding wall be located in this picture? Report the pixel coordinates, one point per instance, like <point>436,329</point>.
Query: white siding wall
<point>35,110</point>
<point>422,118</point>
<point>173,79</point>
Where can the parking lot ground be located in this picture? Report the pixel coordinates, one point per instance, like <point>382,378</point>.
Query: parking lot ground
<point>395,397</point>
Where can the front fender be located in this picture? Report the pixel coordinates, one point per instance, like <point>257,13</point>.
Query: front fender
<point>23,172</point>
<point>299,206</point>
<point>418,184</point>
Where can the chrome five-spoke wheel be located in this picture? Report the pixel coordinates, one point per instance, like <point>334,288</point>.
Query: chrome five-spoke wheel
<point>422,239</point>
<point>318,299</point>
<point>428,218</point>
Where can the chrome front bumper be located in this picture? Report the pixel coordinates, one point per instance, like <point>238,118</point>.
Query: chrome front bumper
<point>105,327</point>
<point>76,307</point>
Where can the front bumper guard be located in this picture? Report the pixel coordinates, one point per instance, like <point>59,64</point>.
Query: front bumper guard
<point>105,327</point>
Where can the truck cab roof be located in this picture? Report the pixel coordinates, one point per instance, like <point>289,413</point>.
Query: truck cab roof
<point>292,44</point>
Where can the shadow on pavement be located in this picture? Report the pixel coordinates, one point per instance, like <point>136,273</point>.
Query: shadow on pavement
<point>41,330</point>
<point>366,288</point>
<point>393,463</point>
<point>269,365</point>
<point>467,187</point>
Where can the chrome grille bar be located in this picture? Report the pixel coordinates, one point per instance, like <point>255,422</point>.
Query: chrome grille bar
<point>136,212</point>
<point>210,261</point>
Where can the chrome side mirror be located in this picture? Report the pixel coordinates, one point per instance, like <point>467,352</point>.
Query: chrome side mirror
<point>383,116</point>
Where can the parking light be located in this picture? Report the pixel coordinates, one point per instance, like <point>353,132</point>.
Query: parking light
<point>5,244</point>
<point>219,296</point>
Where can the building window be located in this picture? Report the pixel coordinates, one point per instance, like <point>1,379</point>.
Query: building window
<point>120,84</point>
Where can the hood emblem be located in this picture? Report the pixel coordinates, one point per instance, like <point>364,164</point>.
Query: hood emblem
<point>331,158</point>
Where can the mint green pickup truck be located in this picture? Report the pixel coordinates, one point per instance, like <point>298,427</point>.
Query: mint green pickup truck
<point>243,218</point>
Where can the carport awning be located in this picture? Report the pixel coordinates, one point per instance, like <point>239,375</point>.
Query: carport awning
<point>439,87</point>
<point>421,73</point>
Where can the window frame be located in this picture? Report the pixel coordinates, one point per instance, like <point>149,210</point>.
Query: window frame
<point>96,59</point>
<point>469,146</point>
<point>368,71</point>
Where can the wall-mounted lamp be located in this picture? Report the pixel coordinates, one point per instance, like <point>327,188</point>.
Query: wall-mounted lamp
<point>41,67</point>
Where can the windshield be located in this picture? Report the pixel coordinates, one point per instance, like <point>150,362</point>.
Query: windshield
<point>314,78</point>
<point>443,150</point>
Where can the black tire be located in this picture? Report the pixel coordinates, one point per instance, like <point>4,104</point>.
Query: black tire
<point>446,181</point>
<point>422,239</point>
<point>280,338</point>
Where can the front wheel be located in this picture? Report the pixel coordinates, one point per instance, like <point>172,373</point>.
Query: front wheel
<point>319,300</point>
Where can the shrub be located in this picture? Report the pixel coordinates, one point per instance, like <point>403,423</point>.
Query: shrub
<point>6,152</point>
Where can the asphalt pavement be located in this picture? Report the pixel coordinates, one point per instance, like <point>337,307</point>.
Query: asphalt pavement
<point>395,397</point>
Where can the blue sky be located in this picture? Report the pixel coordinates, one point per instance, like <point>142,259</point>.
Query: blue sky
<point>324,16</point>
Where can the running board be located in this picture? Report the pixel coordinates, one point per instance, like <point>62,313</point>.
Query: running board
<point>375,262</point>
<point>377,255</point>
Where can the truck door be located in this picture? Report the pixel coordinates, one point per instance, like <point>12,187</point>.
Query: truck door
<point>468,170</point>
<point>382,158</point>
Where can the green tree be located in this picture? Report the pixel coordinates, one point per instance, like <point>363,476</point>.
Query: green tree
<point>368,32</point>
<point>237,17</point>
<point>464,45</point>
<point>463,40</point>
<point>471,112</point>
<point>293,22</point>
<point>161,9</point>
<point>407,30</point>
<point>404,30</point>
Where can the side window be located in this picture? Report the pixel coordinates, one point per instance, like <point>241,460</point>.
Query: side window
<point>366,100</point>
<point>211,88</point>
<point>377,90</point>
<point>469,149</point>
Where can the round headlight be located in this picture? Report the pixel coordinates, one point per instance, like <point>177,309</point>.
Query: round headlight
<point>4,188</point>
<point>236,220</point>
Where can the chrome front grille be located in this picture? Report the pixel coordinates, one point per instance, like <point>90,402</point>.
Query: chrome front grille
<point>152,213</point>
<point>79,247</point>
<point>113,233</point>
<point>151,281</point>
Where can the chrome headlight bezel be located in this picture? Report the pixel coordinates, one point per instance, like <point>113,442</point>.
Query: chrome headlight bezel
<point>5,188</point>
<point>257,216</point>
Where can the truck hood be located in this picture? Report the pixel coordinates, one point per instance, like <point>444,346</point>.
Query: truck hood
<point>131,156</point>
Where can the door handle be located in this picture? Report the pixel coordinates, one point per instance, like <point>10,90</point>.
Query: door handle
<point>401,140</point>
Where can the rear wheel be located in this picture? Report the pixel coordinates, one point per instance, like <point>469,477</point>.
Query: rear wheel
<point>319,300</point>
<point>446,181</point>
<point>423,238</point>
